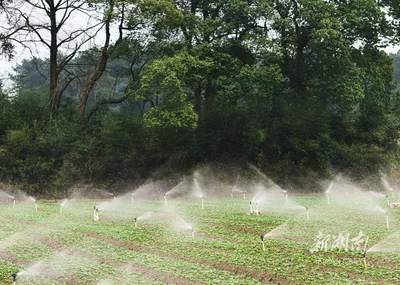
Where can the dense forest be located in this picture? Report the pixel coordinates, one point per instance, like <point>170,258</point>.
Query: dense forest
<point>302,89</point>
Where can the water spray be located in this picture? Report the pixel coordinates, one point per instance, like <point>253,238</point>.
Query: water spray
<point>95,214</point>
<point>308,213</point>
<point>202,203</point>
<point>132,198</point>
<point>165,199</point>
<point>12,197</point>
<point>14,278</point>
<point>244,195</point>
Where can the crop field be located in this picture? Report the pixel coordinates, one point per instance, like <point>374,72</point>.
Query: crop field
<point>181,242</point>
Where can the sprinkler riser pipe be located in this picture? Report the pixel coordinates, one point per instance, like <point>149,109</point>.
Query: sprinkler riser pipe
<point>387,222</point>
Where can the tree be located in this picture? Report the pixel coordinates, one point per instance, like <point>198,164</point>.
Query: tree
<point>48,23</point>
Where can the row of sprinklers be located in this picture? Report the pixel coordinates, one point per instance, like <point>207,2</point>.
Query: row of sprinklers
<point>254,208</point>
<point>13,200</point>
<point>364,251</point>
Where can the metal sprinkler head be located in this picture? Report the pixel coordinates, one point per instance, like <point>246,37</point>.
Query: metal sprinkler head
<point>14,277</point>
<point>262,237</point>
<point>96,214</point>
<point>365,260</point>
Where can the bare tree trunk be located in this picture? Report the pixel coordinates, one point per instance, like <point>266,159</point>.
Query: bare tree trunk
<point>100,67</point>
<point>53,76</point>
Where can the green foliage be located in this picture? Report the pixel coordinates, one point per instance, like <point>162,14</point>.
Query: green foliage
<point>165,84</point>
<point>301,88</point>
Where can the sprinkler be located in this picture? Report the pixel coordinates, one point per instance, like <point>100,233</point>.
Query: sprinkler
<point>95,214</point>
<point>328,191</point>
<point>262,236</point>
<point>328,198</point>
<point>165,199</point>
<point>387,221</point>
<point>244,195</point>
<point>365,260</point>
<point>14,278</point>
<point>135,221</point>
<point>365,254</point>
<point>33,200</point>
<point>251,208</point>
<point>257,211</point>
<point>387,200</point>
<point>286,195</point>
<point>192,230</point>
<point>308,213</point>
<point>13,202</point>
<point>62,204</point>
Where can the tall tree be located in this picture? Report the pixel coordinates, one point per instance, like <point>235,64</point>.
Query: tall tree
<point>49,23</point>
